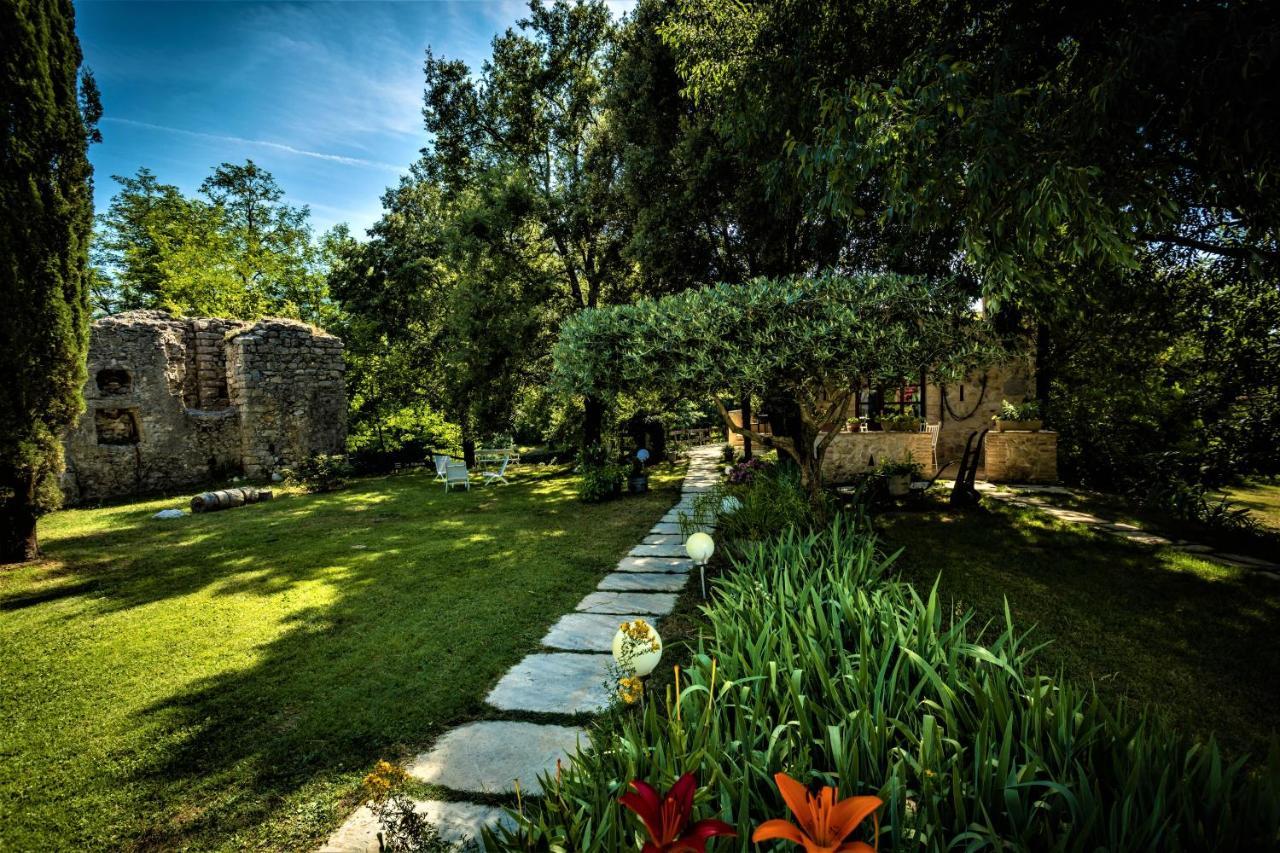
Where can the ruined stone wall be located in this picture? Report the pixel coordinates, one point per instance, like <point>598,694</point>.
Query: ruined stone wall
<point>286,382</point>
<point>159,414</point>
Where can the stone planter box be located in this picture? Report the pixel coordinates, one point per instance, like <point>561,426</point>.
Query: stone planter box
<point>1018,426</point>
<point>1021,457</point>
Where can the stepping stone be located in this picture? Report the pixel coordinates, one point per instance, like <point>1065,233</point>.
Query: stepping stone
<point>488,757</point>
<point>554,683</point>
<point>679,565</point>
<point>1072,515</point>
<point>1193,548</point>
<point>656,603</point>
<point>1140,537</point>
<point>663,539</point>
<point>671,549</point>
<point>455,821</point>
<point>633,581</point>
<point>665,527</point>
<point>587,632</point>
<point>1246,560</point>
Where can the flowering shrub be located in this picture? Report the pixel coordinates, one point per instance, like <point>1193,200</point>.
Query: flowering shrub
<point>402,829</point>
<point>816,664</point>
<point>744,473</point>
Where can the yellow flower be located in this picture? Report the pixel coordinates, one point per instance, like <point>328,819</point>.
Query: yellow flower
<point>630,689</point>
<point>385,777</point>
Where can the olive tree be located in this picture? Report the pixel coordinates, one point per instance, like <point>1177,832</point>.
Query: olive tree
<point>813,339</point>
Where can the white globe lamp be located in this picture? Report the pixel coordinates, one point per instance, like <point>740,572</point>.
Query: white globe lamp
<point>639,650</point>
<point>700,547</point>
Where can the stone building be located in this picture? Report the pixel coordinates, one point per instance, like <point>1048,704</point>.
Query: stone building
<point>957,410</point>
<point>172,402</point>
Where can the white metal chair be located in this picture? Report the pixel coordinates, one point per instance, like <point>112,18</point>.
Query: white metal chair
<point>442,464</point>
<point>499,475</point>
<point>456,474</point>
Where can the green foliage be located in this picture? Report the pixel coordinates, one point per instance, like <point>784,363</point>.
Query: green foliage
<point>771,501</point>
<point>601,476</point>
<point>812,339</point>
<point>1028,410</point>
<point>320,472</point>
<point>48,117</point>
<point>818,666</point>
<point>903,422</point>
<point>906,466</point>
<point>238,252</point>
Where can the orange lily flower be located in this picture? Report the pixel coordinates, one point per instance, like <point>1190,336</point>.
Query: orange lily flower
<point>825,820</point>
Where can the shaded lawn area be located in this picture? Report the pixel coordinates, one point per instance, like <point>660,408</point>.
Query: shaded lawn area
<point>1194,639</point>
<point>225,681</point>
<point>1262,501</point>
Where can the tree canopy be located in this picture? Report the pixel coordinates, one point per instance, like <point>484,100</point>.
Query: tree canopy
<point>816,339</point>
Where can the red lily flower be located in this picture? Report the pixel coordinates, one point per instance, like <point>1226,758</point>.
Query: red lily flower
<point>667,818</point>
<point>824,822</point>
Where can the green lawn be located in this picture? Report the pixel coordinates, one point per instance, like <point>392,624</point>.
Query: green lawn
<point>1193,638</point>
<point>224,681</point>
<point>1262,500</point>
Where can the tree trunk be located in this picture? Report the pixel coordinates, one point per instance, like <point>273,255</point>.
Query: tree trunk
<point>592,421</point>
<point>1044,366</point>
<point>468,442</point>
<point>746,422</point>
<point>18,542</point>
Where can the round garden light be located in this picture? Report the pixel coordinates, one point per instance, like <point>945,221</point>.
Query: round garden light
<point>700,547</point>
<point>637,647</point>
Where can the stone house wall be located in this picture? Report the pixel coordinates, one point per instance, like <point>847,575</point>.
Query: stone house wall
<point>159,414</point>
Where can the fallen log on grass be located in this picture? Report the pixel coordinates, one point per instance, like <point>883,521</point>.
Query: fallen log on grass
<point>228,498</point>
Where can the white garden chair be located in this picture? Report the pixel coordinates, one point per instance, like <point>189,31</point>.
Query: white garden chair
<point>498,475</point>
<point>456,474</point>
<point>442,466</point>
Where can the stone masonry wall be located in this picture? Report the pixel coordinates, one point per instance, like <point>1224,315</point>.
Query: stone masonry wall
<point>158,409</point>
<point>286,382</point>
<point>1022,457</point>
<point>853,453</point>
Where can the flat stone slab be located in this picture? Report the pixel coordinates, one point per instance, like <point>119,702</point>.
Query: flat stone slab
<point>555,683</point>
<point>1247,560</point>
<point>1193,548</point>
<point>490,756</point>
<point>678,565</point>
<point>455,821</point>
<point>663,539</point>
<point>671,549</point>
<point>587,632</point>
<point>655,603</point>
<point>1139,537</point>
<point>665,528</point>
<point>654,581</point>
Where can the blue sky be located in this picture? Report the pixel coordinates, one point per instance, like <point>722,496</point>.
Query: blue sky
<point>327,96</point>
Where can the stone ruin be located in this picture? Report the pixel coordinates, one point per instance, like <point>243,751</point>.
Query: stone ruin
<point>177,402</point>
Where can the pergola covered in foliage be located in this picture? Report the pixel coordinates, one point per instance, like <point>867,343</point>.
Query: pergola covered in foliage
<point>814,339</point>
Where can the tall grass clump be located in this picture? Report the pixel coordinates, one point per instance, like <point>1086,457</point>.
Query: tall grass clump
<point>819,665</point>
<point>764,500</point>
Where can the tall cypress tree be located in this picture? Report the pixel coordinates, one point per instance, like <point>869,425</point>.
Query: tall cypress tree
<point>48,117</point>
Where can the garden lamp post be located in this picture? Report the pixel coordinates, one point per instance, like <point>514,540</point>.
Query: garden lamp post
<point>700,547</point>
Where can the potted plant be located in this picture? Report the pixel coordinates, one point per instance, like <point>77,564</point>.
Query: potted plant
<point>1018,416</point>
<point>903,422</point>
<point>899,473</point>
<point>639,480</point>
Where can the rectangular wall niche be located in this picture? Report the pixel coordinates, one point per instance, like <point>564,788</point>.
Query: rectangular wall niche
<point>116,426</point>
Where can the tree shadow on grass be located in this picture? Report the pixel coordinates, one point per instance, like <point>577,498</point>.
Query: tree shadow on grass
<point>391,645</point>
<point>1153,626</point>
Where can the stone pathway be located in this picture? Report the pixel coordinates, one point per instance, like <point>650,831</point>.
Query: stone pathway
<point>567,678</point>
<point>1040,498</point>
